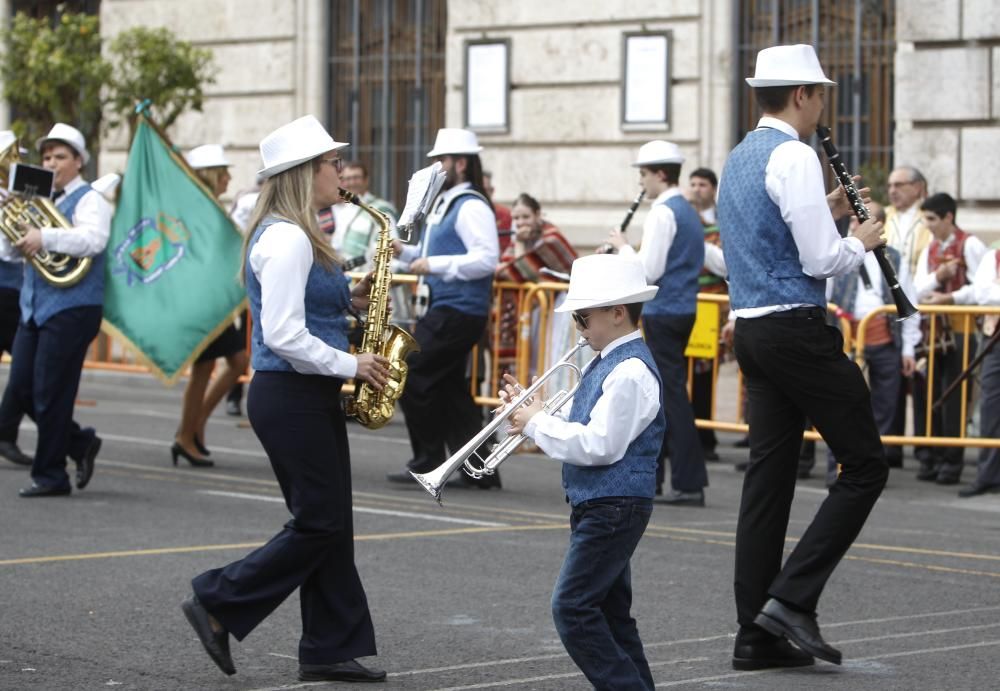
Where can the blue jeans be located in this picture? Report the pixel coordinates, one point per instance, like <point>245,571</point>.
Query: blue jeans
<point>593,595</point>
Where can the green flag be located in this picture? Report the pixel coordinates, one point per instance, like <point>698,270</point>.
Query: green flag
<point>173,259</point>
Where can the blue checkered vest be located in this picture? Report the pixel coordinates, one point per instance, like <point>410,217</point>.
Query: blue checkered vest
<point>678,293</point>
<point>470,297</point>
<point>635,474</point>
<point>11,275</point>
<point>40,300</point>
<point>761,255</point>
<point>328,295</point>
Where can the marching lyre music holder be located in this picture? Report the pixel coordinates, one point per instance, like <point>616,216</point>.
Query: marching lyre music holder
<point>31,181</point>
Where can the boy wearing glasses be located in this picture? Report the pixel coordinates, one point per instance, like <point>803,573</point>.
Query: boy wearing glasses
<point>608,438</point>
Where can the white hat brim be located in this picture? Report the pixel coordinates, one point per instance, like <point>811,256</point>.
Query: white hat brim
<point>84,154</point>
<point>444,152</point>
<point>287,165</point>
<point>759,83</point>
<point>663,161</point>
<point>573,304</point>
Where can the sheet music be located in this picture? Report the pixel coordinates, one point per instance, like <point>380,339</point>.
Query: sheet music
<point>423,188</point>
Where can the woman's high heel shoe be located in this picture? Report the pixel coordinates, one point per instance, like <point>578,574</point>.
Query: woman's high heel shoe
<point>201,447</point>
<point>178,450</point>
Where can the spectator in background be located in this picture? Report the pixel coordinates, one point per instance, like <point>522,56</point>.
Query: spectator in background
<point>505,223</point>
<point>355,231</point>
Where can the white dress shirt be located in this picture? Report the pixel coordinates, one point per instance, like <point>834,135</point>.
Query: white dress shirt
<point>658,233</point>
<point>88,236</point>
<point>715,260</point>
<point>793,178</point>
<point>985,285</point>
<point>901,234</point>
<point>476,226</point>
<point>629,401</point>
<point>926,281</point>
<point>281,260</point>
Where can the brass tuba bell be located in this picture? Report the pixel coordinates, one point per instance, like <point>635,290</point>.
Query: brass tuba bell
<point>61,270</point>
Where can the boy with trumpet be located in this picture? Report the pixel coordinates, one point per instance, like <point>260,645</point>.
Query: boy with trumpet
<point>608,444</point>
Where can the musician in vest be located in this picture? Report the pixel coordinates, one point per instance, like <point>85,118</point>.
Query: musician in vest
<point>906,232</point>
<point>672,253</point>
<point>986,286</point>
<point>608,439</point>
<point>781,244</point>
<point>456,258</point>
<point>299,300</point>
<point>58,323</point>
<point>889,343</point>
<point>944,277</point>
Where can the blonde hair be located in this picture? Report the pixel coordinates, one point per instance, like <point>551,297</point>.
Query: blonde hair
<point>210,176</point>
<point>287,196</point>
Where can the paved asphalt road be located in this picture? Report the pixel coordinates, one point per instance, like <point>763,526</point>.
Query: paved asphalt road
<point>90,585</point>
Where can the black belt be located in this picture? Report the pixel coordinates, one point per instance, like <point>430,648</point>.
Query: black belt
<point>798,313</point>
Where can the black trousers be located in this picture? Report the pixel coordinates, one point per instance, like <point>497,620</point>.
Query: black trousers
<point>437,404</point>
<point>300,423</point>
<point>46,362</point>
<point>701,404</point>
<point>667,337</point>
<point>795,368</point>
<point>10,317</point>
<point>946,420</point>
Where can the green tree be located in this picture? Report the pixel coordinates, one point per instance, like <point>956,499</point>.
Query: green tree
<point>151,63</point>
<point>53,72</point>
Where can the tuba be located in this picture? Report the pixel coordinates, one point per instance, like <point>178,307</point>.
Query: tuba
<point>61,270</point>
<point>468,457</point>
<point>375,408</point>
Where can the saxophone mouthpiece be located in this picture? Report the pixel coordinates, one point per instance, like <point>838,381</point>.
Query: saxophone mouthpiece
<point>347,196</point>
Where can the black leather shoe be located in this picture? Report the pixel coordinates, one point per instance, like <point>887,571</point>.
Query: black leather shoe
<point>402,478</point>
<point>37,490</point>
<point>928,471</point>
<point>974,490</point>
<point>352,670</point>
<point>773,653</point>
<point>233,408</point>
<point>216,643</point>
<point>710,455</point>
<point>801,629</point>
<point>85,466</point>
<point>678,498</point>
<point>13,453</point>
<point>949,474</point>
<point>741,466</point>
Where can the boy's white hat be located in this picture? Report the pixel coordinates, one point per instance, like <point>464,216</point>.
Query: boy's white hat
<point>658,152</point>
<point>602,280</point>
<point>69,135</point>
<point>788,66</point>
<point>107,184</point>
<point>454,141</point>
<point>297,142</point>
<point>207,156</point>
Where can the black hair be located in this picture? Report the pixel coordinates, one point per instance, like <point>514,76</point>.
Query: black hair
<point>705,174</point>
<point>774,99</point>
<point>672,171</point>
<point>634,310</point>
<point>941,204</point>
<point>474,175</point>
<point>525,199</point>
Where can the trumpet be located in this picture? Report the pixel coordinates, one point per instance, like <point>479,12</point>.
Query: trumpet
<point>469,458</point>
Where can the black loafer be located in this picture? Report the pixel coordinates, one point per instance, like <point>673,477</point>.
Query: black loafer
<point>85,466</point>
<point>773,653</point>
<point>677,497</point>
<point>802,629</point>
<point>37,490</point>
<point>975,490</point>
<point>352,670</point>
<point>216,643</point>
<point>13,453</point>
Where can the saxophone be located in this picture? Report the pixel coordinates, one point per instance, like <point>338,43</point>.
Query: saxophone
<point>374,408</point>
<point>61,270</point>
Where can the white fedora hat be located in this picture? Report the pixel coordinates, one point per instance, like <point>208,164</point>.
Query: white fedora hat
<point>207,156</point>
<point>107,184</point>
<point>788,66</point>
<point>454,141</point>
<point>658,152</point>
<point>602,280</point>
<point>69,135</point>
<point>297,142</point>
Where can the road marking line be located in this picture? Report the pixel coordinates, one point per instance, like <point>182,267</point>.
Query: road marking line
<point>923,615</point>
<point>912,634</point>
<point>360,509</point>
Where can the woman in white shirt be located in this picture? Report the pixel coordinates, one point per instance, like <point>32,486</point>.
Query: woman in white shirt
<point>298,300</point>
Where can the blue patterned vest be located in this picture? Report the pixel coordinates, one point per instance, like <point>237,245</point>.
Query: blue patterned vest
<point>470,297</point>
<point>41,300</point>
<point>635,474</point>
<point>761,255</point>
<point>678,293</point>
<point>11,275</point>
<point>328,295</point>
<point>845,293</point>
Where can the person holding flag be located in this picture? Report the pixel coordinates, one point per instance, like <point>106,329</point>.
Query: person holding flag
<point>58,323</point>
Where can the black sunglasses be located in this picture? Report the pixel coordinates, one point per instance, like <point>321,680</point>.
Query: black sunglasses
<point>582,318</point>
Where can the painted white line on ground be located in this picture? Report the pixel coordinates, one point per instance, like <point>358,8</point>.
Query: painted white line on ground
<point>361,509</point>
<point>988,504</point>
<point>923,615</point>
<point>913,634</point>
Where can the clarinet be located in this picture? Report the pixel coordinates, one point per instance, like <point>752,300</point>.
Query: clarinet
<point>608,248</point>
<point>904,309</point>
